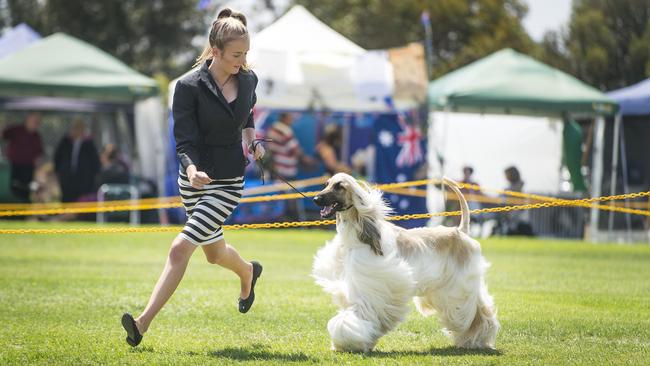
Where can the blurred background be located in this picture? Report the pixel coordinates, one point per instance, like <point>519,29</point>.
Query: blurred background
<point>557,90</point>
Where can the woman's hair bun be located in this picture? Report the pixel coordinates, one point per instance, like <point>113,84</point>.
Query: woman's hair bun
<point>229,13</point>
<point>225,13</point>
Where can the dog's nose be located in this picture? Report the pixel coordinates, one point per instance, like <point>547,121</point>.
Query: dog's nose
<point>318,200</point>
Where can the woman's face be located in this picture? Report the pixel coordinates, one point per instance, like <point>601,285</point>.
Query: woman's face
<point>233,56</point>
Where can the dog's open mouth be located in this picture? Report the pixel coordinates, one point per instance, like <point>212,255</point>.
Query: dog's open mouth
<point>329,210</point>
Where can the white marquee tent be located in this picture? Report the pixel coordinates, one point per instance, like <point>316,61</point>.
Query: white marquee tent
<point>301,62</point>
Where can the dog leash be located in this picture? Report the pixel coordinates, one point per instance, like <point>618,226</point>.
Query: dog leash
<point>254,145</point>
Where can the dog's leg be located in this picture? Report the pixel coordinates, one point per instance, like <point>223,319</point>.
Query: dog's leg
<point>351,333</point>
<point>379,288</point>
<point>328,271</point>
<point>483,330</point>
<point>465,308</point>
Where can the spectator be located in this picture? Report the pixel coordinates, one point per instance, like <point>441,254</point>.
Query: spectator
<point>516,222</point>
<point>285,149</point>
<point>328,150</point>
<point>114,170</point>
<point>468,171</point>
<point>286,153</point>
<point>23,150</point>
<point>76,163</point>
<point>513,177</point>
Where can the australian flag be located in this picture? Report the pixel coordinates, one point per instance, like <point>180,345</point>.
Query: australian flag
<point>400,151</point>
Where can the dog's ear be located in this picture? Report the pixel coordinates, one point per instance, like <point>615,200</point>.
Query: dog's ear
<point>359,191</point>
<point>370,235</point>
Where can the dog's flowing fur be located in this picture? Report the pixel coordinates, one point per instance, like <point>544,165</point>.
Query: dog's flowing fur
<point>372,268</point>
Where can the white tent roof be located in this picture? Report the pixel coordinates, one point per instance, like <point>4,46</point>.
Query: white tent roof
<point>303,32</point>
<point>302,62</point>
<point>17,38</point>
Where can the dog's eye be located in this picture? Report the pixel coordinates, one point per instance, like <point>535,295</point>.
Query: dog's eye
<point>338,186</point>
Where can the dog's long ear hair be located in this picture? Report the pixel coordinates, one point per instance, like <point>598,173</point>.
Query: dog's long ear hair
<point>369,209</point>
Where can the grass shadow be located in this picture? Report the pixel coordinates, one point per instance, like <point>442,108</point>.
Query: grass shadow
<point>433,351</point>
<point>258,352</point>
<point>142,349</point>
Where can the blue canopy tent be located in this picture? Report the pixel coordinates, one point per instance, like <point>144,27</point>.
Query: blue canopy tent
<point>17,38</point>
<point>634,102</point>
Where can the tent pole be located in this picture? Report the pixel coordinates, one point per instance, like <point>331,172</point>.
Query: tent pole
<point>614,174</point>
<point>626,188</point>
<point>597,174</point>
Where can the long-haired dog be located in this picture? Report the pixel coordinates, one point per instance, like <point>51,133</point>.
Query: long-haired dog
<point>372,268</point>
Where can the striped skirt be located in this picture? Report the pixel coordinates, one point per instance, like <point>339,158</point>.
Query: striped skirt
<point>207,208</point>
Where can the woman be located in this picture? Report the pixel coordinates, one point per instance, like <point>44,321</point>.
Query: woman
<point>212,111</point>
<point>328,149</point>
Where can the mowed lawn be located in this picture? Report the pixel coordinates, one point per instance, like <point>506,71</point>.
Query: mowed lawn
<point>62,296</point>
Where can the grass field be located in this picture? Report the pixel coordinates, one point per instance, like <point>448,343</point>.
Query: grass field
<point>61,298</point>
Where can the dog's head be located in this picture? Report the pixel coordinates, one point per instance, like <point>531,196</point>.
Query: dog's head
<point>364,205</point>
<point>336,196</point>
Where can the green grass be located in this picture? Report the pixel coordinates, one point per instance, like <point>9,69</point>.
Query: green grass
<point>61,298</point>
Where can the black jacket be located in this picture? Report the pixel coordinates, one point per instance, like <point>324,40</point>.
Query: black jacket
<point>208,132</point>
<point>80,181</point>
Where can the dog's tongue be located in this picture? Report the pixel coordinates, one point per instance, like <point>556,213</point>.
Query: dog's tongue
<point>326,211</point>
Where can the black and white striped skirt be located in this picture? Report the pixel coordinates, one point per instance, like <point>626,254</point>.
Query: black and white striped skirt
<point>207,208</point>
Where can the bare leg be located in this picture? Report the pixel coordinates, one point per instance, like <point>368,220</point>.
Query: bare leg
<point>179,255</point>
<point>226,256</point>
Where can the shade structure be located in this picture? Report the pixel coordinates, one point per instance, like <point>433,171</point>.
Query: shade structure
<point>302,63</point>
<point>508,82</point>
<point>634,100</point>
<point>63,66</point>
<point>17,38</point>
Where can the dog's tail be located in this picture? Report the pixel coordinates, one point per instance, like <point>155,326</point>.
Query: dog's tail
<point>464,207</point>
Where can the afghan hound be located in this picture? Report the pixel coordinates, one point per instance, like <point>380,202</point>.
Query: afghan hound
<point>372,268</point>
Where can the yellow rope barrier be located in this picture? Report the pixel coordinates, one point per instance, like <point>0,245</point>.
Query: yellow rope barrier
<point>273,225</point>
<point>521,198</point>
<point>172,202</point>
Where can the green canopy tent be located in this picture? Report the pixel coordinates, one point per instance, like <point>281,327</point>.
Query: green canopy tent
<point>63,66</point>
<point>60,72</point>
<point>511,83</point>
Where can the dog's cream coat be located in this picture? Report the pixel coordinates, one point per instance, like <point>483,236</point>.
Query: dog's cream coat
<point>372,268</point>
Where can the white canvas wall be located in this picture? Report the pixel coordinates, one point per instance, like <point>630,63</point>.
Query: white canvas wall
<point>491,143</point>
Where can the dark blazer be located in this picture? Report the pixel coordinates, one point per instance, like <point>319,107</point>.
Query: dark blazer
<point>76,183</point>
<point>207,130</point>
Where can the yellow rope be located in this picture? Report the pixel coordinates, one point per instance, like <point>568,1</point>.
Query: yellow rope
<point>273,225</point>
<point>165,202</point>
<point>172,202</point>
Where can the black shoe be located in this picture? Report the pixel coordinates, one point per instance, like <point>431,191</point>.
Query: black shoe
<point>133,337</point>
<point>245,304</point>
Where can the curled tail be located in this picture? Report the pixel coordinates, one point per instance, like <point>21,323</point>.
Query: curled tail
<point>464,208</point>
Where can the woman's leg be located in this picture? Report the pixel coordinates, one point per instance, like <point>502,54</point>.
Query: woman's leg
<point>226,256</point>
<point>179,255</point>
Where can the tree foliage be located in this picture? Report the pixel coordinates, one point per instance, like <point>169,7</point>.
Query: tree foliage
<point>463,31</point>
<point>151,36</point>
<point>607,43</point>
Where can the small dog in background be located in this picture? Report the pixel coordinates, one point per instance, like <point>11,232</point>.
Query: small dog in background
<point>372,268</point>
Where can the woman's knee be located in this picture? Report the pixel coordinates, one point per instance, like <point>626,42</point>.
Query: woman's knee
<point>181,251</point>
<point>214,253</point>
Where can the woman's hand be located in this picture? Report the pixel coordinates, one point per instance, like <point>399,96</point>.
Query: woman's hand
<point>197,178</point>
<point>257,152</point>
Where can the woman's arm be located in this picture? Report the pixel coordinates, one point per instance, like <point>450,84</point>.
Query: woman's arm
<point>186,127</point>
<point>328,155</point>
<point>186,133</point>
<point>248,133</point>
<point>258,151</point>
